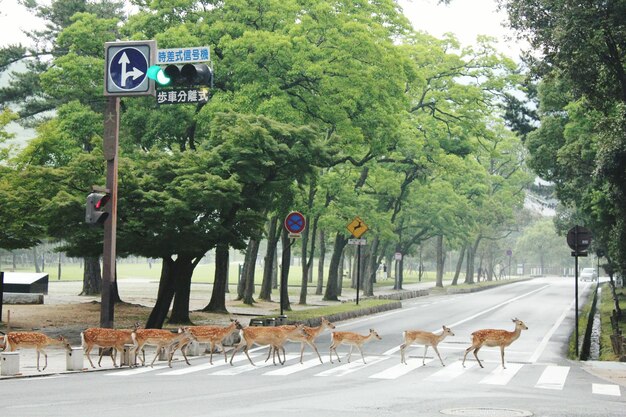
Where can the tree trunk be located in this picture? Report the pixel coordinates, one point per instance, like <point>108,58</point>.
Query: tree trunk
<point>270,255</point>
<point>184,267</point>
<point>440,262</point>
<point>218,296</point>
<point>249,271</point>
<point>167,288</point>
<point>320,264</point>
<point>284,271</point>
<point>459,264</point>
<point>92,276</point>
<point>307,259</point>
<point>333,270</point>
<point>371,269</point>
<point>37,268</point>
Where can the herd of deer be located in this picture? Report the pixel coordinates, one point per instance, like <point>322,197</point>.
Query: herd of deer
<point>274,337</point>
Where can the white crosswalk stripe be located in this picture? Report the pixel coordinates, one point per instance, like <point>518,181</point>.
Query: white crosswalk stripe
<point>400,369</point>
<point>606,389</point>
<point>502,376</point>
<point>450,372</point>
<point>553,377</point>
<point>237,370</point>
<point>351,367</point>
<point>297,367</point>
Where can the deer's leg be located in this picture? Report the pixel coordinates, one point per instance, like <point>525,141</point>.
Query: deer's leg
<point>502,355</point>
<point>468,350</point>
<point>424,358</point>
<point>114,351</point>
<point>314,348</point>
<point>184,356</point>
<point>245,350</point>
<point>333,347</point>
<point>476,356</point>
<point>402,347</point>
<point>87,350</point>
<point>350,353</point>
<point>437,351</point>
<point>269,353</point>
<point>361,350</point>
<point>38,361</point>
<point>156,355</point>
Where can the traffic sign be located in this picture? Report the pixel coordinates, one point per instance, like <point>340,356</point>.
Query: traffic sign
<point>295,222</point>
<point>361,242</point>
<point>579,239</point>
<point>182,96</point>
<point>183,55</point>
<point>357,227</point>
<point>126,65</point>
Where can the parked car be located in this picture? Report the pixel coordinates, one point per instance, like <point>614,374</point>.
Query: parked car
<point>588,274</point>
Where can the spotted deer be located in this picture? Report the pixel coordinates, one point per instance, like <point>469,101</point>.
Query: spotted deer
<point>423,338</point>
<point>275,337</point>
<point>36,340</point>
<point>214,336</point>
<point>311,334</point>
<point>161,339</point>
<point>352,339</point>
<point>492,337</point>
<point>113,339</point>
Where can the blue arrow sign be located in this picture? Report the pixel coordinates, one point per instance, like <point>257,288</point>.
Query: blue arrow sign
<point>295,222</point>
<point>127,68</point>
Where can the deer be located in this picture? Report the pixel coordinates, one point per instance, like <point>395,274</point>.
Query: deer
<point>423,338</point>
<point>311,334</point>
<point>214,335</point>
<point>492,337</point>
<point>36,340</point>
<point>275,337</point>
<point>352,339</point>
<point>160,338</point>
<point>105,338</point>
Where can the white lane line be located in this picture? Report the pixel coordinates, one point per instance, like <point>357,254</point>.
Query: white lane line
<point>501,376</point>
<point>450,372</point>
<point>136,371</point>
<point>606,389</point>
<point>453,325</point>
<point>352,366</point>
<point>249,368</point>
<point>400,369</point>
<point>297,367</point>
<point>544,342</point>
<point>553,377</point>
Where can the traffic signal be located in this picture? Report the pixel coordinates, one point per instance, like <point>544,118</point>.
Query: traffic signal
<point>187,75</point>
<point>94,210</point>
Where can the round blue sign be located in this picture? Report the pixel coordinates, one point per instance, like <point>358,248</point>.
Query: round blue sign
<point>295,222</point>
<point>128,68</point>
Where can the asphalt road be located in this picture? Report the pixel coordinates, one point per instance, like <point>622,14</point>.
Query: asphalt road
<point>538,380</point>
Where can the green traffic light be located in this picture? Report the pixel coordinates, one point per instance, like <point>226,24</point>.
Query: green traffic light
<point>156,73</point>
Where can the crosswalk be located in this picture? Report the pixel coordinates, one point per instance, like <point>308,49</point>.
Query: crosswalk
<point>380,367</point>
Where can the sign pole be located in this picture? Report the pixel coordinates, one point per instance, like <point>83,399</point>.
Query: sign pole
<point>576,296</point>
<point>358,272</point>
<point>110,147</point>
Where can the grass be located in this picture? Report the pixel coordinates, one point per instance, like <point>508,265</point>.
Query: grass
<point>583,319</point>
<point>605,307</point>
<point>301,315</point>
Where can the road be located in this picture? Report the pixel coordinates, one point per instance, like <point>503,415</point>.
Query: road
<point>538,379</point>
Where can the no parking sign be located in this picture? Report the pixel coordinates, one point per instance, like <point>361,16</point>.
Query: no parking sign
<point>295,223</point>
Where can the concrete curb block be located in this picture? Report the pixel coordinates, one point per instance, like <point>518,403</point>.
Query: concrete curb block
<point>353,314</point>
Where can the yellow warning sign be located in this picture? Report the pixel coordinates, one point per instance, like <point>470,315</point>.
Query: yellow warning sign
<point>357,227</point>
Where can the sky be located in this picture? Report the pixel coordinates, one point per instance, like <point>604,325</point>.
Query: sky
<point>465,18</point>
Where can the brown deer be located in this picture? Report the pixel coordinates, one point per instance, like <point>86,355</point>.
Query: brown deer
<point>214,335</point>
<point>36,340</point>
<point>275,337</point>
<point>161,339</point>
<point>311,334</point>
<point>352,339</point>
<point>423,338</point>
<point>492,337</point>
<point>113,339</point>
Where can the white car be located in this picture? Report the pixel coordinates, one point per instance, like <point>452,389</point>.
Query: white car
<point>588,274</point>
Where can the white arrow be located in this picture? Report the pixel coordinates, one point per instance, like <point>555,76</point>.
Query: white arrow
<point>135,73</point>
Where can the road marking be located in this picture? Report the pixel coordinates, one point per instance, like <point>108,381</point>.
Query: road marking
<point>204,366</point>
<point>501,376</point>
<point>450,372</point>
<point>136,371</point>
<point>249,367</point>
<point>352,366</point>
<point>351,323</point>
<point>553,377</point>
<point>292,369</point>
<point>606,389</point>
<point>400,369</point>
<point>397,348</point>
<point>544,342</point>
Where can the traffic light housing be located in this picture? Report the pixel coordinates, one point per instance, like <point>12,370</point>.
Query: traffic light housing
<point>187,75</point>
<point>95,213</point>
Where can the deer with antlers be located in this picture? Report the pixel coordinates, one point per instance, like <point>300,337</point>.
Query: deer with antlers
<point>162,340</point>
<point>492,338</point>
<point>36,340</point>
<point>214,336</point>
<point>423,338</point>
<point>352,339</point>
<point>275,337</point>
<point>113,339</point>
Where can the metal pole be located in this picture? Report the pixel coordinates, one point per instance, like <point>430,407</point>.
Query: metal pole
<point>358,272</point>
<point>576,282</point>
<point>1,292</point>
<point>110,148</point>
